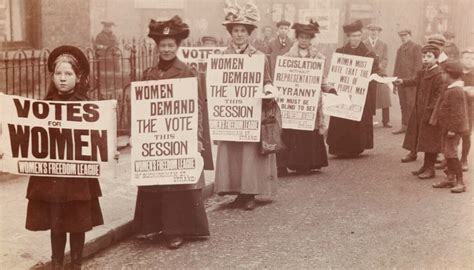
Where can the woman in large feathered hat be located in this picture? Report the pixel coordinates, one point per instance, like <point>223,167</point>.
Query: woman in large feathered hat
<point>240,169</point>
<point>174,211</point>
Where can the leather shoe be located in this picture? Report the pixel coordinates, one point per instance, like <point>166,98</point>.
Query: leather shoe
<point>250,204</point>
<point>387,125</point>
<point>449,182</point>
<point>238,201</point>
<point>175,242</point>
<point>427,174</point>
<point>282,171</point>
<point>402,130</point>
<point>441,165</point>
<point>459,188</point>
<point>464,166</point>
<point>419,171</point>
<point>409,158</point>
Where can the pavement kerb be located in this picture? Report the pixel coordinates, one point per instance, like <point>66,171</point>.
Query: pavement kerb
<point>112,236</point>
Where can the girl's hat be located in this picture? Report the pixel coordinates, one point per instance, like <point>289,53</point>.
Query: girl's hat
<point>311,28</point>
<point>234,14</point>
<point>71,52</point>
<point>174,28</point>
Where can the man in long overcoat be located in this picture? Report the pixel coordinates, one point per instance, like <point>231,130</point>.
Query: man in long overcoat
<point>279,45</point>
<point>380,48</point>
<point>407,63</point>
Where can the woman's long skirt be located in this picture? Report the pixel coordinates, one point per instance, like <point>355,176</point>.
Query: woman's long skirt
<point>241,169</point>
<point>305,150</point>
<point>180,213</point>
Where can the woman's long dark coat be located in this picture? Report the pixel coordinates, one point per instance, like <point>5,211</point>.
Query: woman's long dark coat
<point>347,137</point>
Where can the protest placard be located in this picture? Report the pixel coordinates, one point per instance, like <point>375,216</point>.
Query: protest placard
<point>350,76</point>
<point>328,20</point>
<point>299,84</point>
<point>165,132</point>
<point>234,90</point>
<point>58,138</point>
<point>196,57</point>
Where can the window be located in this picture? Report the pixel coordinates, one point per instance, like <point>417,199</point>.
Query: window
<point>18,23</point>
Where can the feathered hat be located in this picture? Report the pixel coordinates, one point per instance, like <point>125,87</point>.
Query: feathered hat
<point>174,28</point>
<point>352,27</point>
<point>311,28</point>
<point>246,15</point>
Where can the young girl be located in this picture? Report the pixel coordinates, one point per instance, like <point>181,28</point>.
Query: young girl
<point>65,205</point>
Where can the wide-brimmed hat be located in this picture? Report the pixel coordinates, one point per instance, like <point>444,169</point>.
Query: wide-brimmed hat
<point>311,28</point>
<point>246,15</point>
<point>174,28</point>
<point>352,27</point>
<point>72,52</point>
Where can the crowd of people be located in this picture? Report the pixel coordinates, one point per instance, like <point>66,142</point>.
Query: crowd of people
<point>435,106</point>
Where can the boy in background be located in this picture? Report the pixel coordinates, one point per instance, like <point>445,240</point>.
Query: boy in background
<point>451,116</point>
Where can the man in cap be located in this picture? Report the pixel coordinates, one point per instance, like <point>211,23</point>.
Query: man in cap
<point>104,41</point>
<point>380,48</point>
<point>106,38</point>
<point>262,44</point>
<point>279,45</point>
<point>407,63</point>
<point>209,41</point>
<point>450,48</point>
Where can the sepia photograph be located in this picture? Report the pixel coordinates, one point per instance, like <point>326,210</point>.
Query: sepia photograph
<point>236,134</point>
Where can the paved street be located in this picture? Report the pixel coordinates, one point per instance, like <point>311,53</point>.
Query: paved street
<point>365,213</point>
